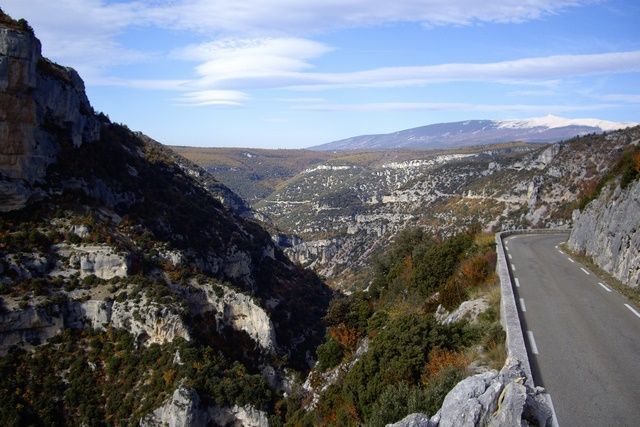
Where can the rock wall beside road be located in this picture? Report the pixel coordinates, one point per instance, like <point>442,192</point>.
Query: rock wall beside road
<point>608,231</point>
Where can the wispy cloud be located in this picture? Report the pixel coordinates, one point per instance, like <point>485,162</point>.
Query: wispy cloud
<point>84,33</point>
<point>452,106</point>
<point>213,97</point>
<point>628,98</point>
<point>81,33</point>
<point>310,16</point>
<point>282,66</point>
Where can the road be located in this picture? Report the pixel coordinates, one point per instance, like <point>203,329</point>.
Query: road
<point>583,340</point>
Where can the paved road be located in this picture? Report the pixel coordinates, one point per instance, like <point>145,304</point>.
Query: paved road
<point>583,342</point>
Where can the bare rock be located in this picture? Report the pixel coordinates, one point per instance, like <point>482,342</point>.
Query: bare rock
<point>608,231</point>
<point>239,416</point>
<point>468,310</point>
<point>237,310</point>
<point>182,409</point>
<point>414,420</point>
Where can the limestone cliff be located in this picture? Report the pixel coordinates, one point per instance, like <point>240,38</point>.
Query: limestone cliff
<point>608,231</point>
<point>36,96</point>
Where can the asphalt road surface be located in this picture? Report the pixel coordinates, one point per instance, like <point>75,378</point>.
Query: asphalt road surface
<point>583,338</point>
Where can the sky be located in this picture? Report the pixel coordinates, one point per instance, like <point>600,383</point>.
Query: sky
<point>297,73</point>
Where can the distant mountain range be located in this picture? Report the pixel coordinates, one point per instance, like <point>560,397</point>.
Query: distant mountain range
<point>475,132</point>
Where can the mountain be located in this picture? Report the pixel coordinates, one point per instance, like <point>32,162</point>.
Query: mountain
<point>476,132</point>
<point>129,275</point>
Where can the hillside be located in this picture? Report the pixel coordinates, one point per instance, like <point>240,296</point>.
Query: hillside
<point>129,275</point>
<point>473,132</point>
<point>250,172</point>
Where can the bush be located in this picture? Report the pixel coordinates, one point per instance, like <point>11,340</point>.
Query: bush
<point>330,355</point>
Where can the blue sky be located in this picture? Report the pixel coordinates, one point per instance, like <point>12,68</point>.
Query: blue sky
<point>292,73</point>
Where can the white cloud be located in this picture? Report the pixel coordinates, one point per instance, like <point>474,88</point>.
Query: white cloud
<point>213,97</point>
<point>81,33</point>
<point>452,106</point>
<point>283,63</point>
<point>308,16</point>
<point>251,60</point>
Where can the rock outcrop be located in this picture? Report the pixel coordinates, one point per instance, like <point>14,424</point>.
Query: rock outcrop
<point>39,101</point>
<point>238,311</point>
<point>147,321</point>
<point>500,399</point>
<point>239,416</point>
<point>182,409</point>
<point>468,310</point>
<point>101,261</point>
<point>608,231</point>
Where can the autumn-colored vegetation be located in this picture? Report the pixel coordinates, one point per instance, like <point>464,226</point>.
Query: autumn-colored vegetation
<point>412,360</point>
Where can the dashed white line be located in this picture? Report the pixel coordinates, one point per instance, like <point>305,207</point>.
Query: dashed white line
<point>571,260</point>
<point>510,257</point>
<point>532,343</point>
<point>517,283</point>
<point>522,306</point>
<point>633,310</point>
<point>513,267</point>
<point>585,271</point>
<point>604,286</point>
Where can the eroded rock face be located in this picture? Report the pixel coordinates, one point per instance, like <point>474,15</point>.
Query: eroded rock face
<point>103,261</point>
<point>182,409</point>
<point>239,311</point>
<point>30,326</point>
<point>36,96</point>
<point>239,416</point>
<point>147,321</point>
<point>608,231</point>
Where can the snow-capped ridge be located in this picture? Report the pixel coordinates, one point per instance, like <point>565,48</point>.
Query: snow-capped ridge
<point>551,122</point>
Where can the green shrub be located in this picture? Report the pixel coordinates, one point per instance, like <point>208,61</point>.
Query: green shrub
<point>330,354</point>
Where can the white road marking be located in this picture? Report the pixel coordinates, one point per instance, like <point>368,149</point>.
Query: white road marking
<point>517,283</point>
<point>560,251</point>
<point>633,310</point>
<point>571,260</point>
<point>522,306</point>
<point>532,343</point>
<point>510,257</point>
<point>604,286</point>
<point>513,267</point>
<point>585,271</point>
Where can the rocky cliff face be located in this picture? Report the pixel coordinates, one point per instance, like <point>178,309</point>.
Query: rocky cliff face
<point>608,231</point>
<point>35,93</point>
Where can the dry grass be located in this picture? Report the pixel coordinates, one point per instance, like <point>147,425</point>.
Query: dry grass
<point>440,360</point>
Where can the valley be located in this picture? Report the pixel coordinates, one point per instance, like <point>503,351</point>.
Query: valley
<point>336,214</point>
